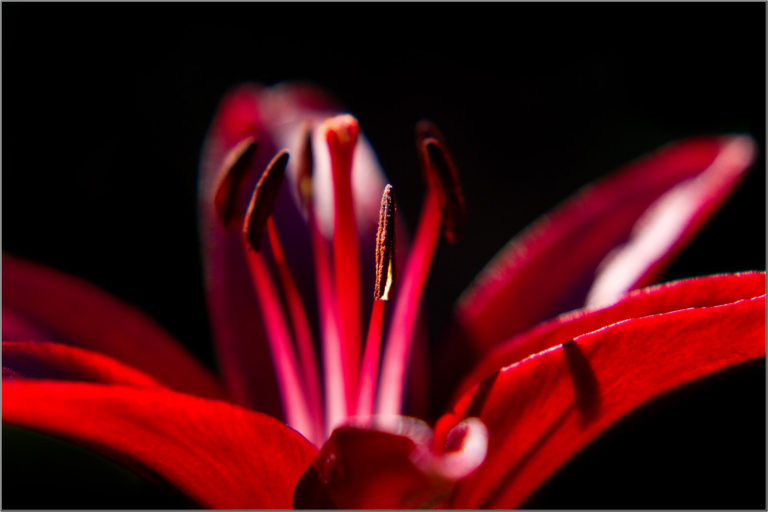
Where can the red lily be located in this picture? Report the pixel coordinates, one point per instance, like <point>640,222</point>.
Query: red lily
<point>540,390</point>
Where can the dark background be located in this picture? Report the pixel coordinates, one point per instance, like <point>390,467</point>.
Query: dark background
<point>105,107</point>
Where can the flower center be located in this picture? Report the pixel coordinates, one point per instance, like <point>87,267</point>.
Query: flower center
<point>351,386</point>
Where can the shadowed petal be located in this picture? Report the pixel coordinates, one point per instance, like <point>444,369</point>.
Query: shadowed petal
<point>74,312</point>
<point>542,410</point>
<point>45,360</point>
<point>220,455</point>
<point>611,237</point>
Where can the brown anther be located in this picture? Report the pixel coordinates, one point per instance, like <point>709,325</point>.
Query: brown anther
<point>232,175</point>
<point>440,172</point>
<point>304,166</point>
<point>426,129</point>
<point>263,200</point>
<point>385,246</point>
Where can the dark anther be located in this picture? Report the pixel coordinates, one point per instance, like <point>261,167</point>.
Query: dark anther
<point>263,200</point>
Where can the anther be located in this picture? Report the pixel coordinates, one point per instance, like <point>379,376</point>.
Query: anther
<point>451,197</point>
<point>263,200</point>
<point>426,129</point>
<point>385,246</point>
<point>304,166</point>
<point>440,172</point>
<point>232,175</point>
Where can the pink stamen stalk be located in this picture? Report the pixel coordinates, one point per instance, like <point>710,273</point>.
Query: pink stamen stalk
<point>385,276</point>
<point>301,329</point>
<point>369,372</point>
<point>336,398</point>
<point>259,211</point>
<point>407,304</point>
<point>280,345</point>
<point>335,392</point>
<point>341,136</point>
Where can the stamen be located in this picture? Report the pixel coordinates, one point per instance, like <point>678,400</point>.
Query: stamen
<point>278,335</point>
<point>232,179</point>
<point>440,173</point>
<point>443,207</point>
<point>263,200</point>
<point>385,247</point>
<point>304,167</point>
<point>341,136</point>
<point>426,129</point>
<point>301,329</point>
<point>451,198</point>
<point>370,371</point>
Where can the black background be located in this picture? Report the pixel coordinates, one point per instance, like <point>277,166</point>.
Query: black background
<point>105,107</point>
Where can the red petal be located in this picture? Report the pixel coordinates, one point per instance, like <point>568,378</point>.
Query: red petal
<point>45,360</point>
<point>219,454</point>
<point>619,233</point>
<point>76,313</point>
<point>392,465</point>
<point>689,293</point>
<point>542,410</point>
<point>359,468</point>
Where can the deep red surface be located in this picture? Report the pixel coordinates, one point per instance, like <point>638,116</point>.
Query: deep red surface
<point>549,268</point>
<point>220,455</point>
<point>542,410</point>
<point>74,312</point>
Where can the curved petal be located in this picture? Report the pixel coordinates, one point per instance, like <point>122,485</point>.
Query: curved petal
<point>391,464</point>
<point>275,118</point>
<point>611,237</point>
<point>16,327</point>
<point>542,410</point>
<point>74,312</point>
<point>220,455</point>
<point>689,293</point>
<point>45,360</point>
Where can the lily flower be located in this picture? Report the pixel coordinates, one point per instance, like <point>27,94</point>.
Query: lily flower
<point>314,293</point>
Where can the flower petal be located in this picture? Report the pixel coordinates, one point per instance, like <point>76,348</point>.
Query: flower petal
<point>73,312</point>
<point>220,455</point>
<point>390,464</point>
<point>46,360</point>
<point>611,237</point>
<point>542,410</point>
<point>689,293</point>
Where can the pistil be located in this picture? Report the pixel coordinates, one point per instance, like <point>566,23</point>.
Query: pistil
<point>341,136</point>
<point>336,398</point>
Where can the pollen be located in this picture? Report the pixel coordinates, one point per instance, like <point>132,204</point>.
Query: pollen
<point>232,175</point>
<point>304,167</point>
<point>263,200</point>
<point>385,246</point>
